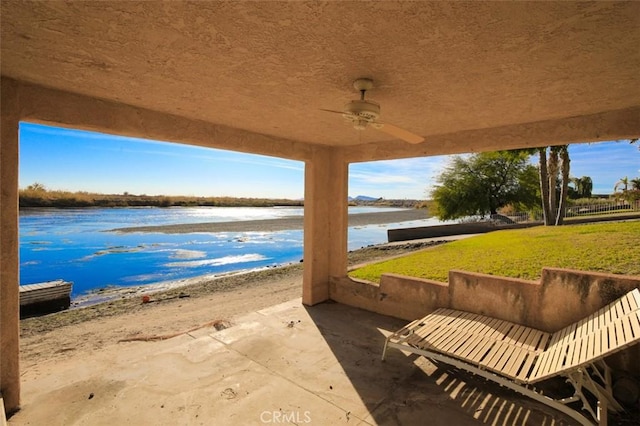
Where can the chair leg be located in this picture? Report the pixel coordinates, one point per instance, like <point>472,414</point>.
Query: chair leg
<point>581,379</point>
<point>607,391</point>
<point>384,350</point>
<point>603,415</point>
<point>577,380</point>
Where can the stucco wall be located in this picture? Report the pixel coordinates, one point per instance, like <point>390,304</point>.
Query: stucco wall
<point>561,297</point>
<point>9,245</point>
<point>567,295</point>
<point>508,299</point>
<point>405,234</point>
<point>397,295</point>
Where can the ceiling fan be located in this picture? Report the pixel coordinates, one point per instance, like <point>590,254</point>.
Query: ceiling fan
<point>364,113</point>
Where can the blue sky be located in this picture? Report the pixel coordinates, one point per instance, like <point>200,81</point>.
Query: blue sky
<point>75,160</point>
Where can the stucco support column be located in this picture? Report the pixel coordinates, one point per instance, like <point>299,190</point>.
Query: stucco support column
<point>325,223</point>
<point>9,266</point>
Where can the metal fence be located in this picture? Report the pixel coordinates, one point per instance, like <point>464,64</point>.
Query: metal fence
<point>577,210</point>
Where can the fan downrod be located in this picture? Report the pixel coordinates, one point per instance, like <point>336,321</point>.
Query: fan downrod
<point>362,85</point>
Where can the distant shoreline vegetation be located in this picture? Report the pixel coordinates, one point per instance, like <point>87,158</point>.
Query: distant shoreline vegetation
<point>38,195</point>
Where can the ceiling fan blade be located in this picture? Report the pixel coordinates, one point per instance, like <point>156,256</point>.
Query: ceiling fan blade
<point>330,110</point>
<point>399,133</point>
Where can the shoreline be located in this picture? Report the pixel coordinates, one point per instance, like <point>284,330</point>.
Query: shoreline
<point>127,300</point>
<point>80,332</point>
<point>112,293</point>
<point>279,224</point>
<point>360,256</point>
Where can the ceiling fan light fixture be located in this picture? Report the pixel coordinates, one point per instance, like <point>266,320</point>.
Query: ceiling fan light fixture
<point>361,109</point>
<point>360,124</point>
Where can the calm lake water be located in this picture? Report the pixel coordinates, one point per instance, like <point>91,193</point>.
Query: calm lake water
<point>76,245</point>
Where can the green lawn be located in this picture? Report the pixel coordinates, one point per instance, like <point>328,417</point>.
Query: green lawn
<point>602,247</point>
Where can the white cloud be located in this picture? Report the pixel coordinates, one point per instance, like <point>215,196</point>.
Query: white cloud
<point>384,178</point>
<point>395,179</point>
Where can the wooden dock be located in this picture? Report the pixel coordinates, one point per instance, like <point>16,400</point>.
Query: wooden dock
<point>45,297</point>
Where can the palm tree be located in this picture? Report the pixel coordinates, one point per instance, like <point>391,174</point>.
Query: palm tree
<point>554,171</point>
<point>635,184</point>
<point>624,183</point>
<point>574,192</point>
<point>544,185</point>
<point>585,186</point>
<point>564,188</point>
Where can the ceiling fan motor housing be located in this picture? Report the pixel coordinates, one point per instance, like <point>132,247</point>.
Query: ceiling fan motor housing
<point>361,112</point>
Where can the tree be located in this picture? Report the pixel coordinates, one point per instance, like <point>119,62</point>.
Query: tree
<point>544,185</point>
<point>586,187</point>
<point>583,186</point>
<point>554,171</point>
<point>482,183</point>
<point>622,184</point>
<point>563,151</point>
<point>629,189</point>
<point>37,187</point>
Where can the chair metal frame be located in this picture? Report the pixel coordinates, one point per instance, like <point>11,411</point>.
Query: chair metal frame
<point>516,357</point>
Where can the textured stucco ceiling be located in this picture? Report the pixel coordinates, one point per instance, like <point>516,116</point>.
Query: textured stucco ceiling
<point>269,67</point>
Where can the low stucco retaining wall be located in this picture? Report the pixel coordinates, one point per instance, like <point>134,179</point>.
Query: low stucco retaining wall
<point>397,296</point>
<point>561,297</point>
<point>509,299</point>
<point>435,231</point>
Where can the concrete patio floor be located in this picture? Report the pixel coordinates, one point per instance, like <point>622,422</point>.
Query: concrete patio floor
<point>288,364</point>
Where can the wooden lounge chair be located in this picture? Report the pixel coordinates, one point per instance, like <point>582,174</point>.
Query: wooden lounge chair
<point>517,357</point>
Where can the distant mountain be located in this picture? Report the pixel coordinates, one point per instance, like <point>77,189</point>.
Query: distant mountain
<point>364,198</point>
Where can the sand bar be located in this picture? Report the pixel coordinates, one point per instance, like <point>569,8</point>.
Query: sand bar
<point>280,224</point>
